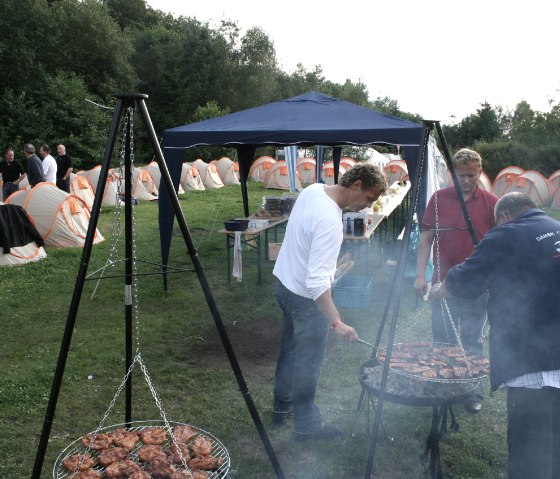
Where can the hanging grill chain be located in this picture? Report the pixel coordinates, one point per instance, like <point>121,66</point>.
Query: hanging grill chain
<point>445,310</point>
<point>113,253</point>
<point>116,227</point>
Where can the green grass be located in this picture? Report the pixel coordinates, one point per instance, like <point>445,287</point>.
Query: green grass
<point>173,328</point>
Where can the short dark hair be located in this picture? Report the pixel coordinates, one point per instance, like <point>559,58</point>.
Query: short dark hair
<point>514,203</point>
<point>370,175</point>
<point>45,147</point>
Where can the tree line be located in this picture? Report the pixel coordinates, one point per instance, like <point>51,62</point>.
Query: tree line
<point>62,59</point>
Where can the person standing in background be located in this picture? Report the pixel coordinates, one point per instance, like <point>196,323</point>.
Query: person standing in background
<point>63,168</point>
<point>11,174</point>
<point>49,163</point>
<point>444,229</point>
<point>34,166</point>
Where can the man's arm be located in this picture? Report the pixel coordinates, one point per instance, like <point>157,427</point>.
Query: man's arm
<point>326,305</point>
<point>67,174</point>
<point>422,258</point>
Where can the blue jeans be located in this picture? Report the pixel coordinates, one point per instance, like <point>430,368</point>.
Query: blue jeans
<point>302,351</point>
<point>468,316</point>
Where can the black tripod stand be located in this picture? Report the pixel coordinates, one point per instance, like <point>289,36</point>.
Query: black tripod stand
<point>125,101</point>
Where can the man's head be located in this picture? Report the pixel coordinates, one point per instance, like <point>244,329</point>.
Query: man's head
<point>362,185</point>
<point>44,150</point>
<point>468,166</point>
<point>60,150</point>
<point>28,149</point>
<point>512,205</point>
<point>9,155</point>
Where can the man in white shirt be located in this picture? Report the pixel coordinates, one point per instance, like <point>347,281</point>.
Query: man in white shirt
<point>49,163</point>
<point>305,269</point>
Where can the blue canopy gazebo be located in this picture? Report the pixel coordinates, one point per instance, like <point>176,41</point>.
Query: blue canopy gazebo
<point>306,120</point>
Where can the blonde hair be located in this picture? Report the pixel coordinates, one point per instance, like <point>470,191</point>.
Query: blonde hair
<point>466,157</point>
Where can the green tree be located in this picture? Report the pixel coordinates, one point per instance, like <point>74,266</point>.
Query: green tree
<point>94,46</point>
<point>486,125</point>
<point>257,69</point>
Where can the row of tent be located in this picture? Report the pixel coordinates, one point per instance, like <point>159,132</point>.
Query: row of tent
<point>274,173</point>
<point>544,191</point>
<point>61,219</point>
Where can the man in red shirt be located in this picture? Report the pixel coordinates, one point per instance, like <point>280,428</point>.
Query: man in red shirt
<point>445,230</point>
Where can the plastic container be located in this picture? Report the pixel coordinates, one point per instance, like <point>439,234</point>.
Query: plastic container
<point>353,292</point>
<point>236,225</point>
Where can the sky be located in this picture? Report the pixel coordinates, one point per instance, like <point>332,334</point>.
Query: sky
<point>439,59</point>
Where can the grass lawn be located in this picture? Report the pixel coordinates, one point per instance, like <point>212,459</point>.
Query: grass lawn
<point>180,346</point>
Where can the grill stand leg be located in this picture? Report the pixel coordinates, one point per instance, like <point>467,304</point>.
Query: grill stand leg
<point>431,454</point>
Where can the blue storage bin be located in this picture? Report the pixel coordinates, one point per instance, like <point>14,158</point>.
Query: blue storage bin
<point>353,292</point>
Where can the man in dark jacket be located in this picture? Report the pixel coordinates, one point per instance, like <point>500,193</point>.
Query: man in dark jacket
<point>34,165</point>
<point>518,262</point>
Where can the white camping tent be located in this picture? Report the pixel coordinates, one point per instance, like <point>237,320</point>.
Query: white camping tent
<point>306,169</point>
<point>504,178</point>
<point>228,171</point>
<point>347,162</point>
<point>260,167</point>
<point>61,219</point>
<point>555,202</point>
<point>143,186</point>
<point>327,172</point>
<point>153,169</point>
<point>277,177</point>
<point>110,191</point>
<point>209,174</point>
<point>533,184</point>
<point>26,253</point>
<point>554,181</point>
<point>378,159</point>
<point>81,187</point>
<point>396,170</point>
<point>191,179</point>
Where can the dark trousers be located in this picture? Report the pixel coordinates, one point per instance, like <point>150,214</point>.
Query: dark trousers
<point>302,351</point>
<point>468,317</point>
<point>533,433</point>
<point>63,185</point>
<point>8,189</point>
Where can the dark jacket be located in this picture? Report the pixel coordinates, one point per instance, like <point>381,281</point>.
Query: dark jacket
<point>16,228</point>
<point>35,170</point>
<point>519,263</point>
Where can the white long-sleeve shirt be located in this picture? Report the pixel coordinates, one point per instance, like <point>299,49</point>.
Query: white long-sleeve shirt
<point>307,259</point>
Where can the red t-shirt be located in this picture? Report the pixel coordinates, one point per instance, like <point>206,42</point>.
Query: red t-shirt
<point>455,243</point>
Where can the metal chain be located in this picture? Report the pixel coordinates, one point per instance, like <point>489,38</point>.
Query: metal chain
<point>116,227</point>
<point>113,253</point>
<point>445,310</point>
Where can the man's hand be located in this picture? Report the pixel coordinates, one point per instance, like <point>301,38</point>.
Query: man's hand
<point>345,332</point>
<point>438,291</point>
<point>421,285</point>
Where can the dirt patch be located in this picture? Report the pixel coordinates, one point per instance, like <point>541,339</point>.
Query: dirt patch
<point>256,345</point>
